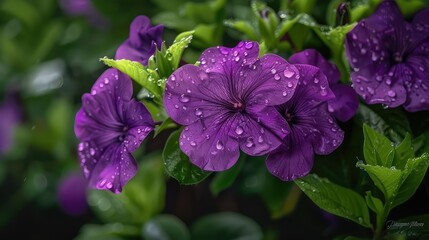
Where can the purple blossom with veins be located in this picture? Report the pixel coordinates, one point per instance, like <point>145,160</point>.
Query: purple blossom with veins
<point>142,42</point>
<point>228,103</point>
<point>313,129</point>
<point>110,126</point>
<point>345,104</point>
<point>390,58</point>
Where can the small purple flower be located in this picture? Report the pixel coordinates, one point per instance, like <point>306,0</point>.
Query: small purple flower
<point>10,116</point>
<point>346,102</point>
<point>312,128</point>
<point>110,126</point>
<point>390,58</point>
<point>71,194</point>
<point>227,104</point>
<point>142,42</point>
<point>83,8</point>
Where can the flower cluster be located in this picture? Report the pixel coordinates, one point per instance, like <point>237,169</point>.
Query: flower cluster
<point>237,101</point>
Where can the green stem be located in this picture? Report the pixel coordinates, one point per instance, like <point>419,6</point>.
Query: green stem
<point>381,221</point>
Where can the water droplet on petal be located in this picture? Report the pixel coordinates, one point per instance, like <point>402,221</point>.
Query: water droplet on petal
<point>288,73</point>
<point>284,93</point>
<point>223,50</point>
<point>92,151</point>
<point>273,71</point>
<point>260,139</point>
<point>109,185</point>
<point>184,98</point>
<point>237,59</point>
<point>289,84</point>
<point>219,145</point>
<point>277,77</point>
<point>239,130</point>
<point>193,144</point>
<point>391,93</point>
<point>249,142</point>
<point>198,112</point>
<point>249,45</point>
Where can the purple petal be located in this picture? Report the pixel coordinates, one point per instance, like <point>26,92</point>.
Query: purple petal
<point>270,81</point>
<point>191,94</point>
<point>417,86</point>
<point>313,83</point>
<point>345,104</point>
<point>228,60</point>
<point>115,83</point>
<point>327,136</point>
<point>142,42</point>
<point>384,88</point>
<point>261,131</point>
<point>314,58</point>
<point>139,123</point>
<point>209,144</point>
<point>110,169</point>
<point>293,159</point>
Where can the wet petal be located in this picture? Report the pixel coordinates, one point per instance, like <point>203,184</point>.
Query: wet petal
<point>209,145</point>
<point>292,160</point>
<point>228,60</point>
<point>262,131</point>
<point>327,135</point>
<point>269,81</point>
<point>345,104</point>
<point>110,169</point>
<point>313,83</point>
<point>417,86</point>
<point>192,94</point>
<point>142,42</point>
<point>314,58</point>
<point>114,83</point>
<point>376,86</point>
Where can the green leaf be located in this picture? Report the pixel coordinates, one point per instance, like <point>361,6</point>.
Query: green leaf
<point>286,25</point>
<point>391,122</point>
<point>141,198</point>
<point>335,199</point>
<point>375,204</point>
<point>226,226</point>
<point>113,231</point>
<point>414,172</point>
<point>165,227</point>
<point>421,143</point>
<point>144,77</point>
<point>175,51</point>
<point>303,6</point>
<point>388,180</point>
<point>178,165</point>
<point>166,124</point>
<point>225,179</point>
<point>377,150</point>
<point>403,152</point>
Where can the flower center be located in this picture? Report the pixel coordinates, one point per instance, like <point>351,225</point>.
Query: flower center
<point>121,137</point>
<point>288,117</point>
<point>238,106</point>
<point>398,57</point>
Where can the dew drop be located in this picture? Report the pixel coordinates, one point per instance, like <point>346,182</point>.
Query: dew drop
<point>288,73</point>
<point>109,185</point>
<point>249,142</point>
<point>391,93</point>
<point>239,130</point>
<point>284,93</point>
<point>223,50</point>
<point>260,139</point>
<point>219,145</point>
<point>277,77</point>
<point>198,112</point>
<point>249,45</point>
<point>273,71</point>
<point>235,53</point>
<point>183,98</point>
<point>316,80</point>
<point>237,59</point>
<point>92,151</point>
<point>203,62</point>
<point>193,144</point>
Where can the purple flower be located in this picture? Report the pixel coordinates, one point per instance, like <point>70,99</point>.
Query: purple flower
<point>312,128</point>
<point>10,116</point>
<point>390,58</point>
<point>346,102</point>
<point>71,194</point>
<point>143,41</point>
<point>227,104</point>
<point>110,126</point>
<point>83,8</point>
